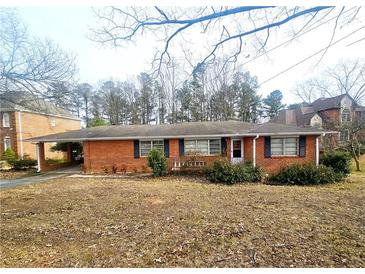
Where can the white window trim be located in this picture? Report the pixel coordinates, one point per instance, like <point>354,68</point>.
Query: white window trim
<point>242,148</point>
<point>7,138</point>
<point>8,115</point>
<point>204,139</point>
<point>285,155</point>
<point>151,140</point>
<point>349,113</point>
<point>53,121</point>
<point>348,135</point>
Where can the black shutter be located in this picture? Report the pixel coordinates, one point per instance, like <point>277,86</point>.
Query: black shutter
<point>166,147</point>
<point>181,147</point>
<point>223,146</point>
<point>267,147</point>
<point>136,149</point>
<point>302,145</point>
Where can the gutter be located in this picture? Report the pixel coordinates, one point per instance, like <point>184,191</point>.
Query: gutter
<point>20,134</point>
<point>317,148</point>
<point>254,150</point>
<point>176,136</point>
<point>41,113</point>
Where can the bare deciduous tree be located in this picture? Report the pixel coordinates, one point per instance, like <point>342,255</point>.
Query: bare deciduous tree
<point>30,66</point>
<point>231,28</point>
<point>347,77</point>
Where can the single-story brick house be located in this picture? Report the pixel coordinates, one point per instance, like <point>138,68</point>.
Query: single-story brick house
<point>125,147</point>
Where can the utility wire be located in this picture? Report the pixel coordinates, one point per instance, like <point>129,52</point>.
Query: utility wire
<point>355,42</point>
<point>295,37</point>
<point>311,56</point>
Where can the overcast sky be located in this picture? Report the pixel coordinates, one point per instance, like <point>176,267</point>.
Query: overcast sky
<point>69,27</point>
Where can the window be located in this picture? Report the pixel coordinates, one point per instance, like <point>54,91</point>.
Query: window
<point>7,143</point>
<point>6,120</point>
<point>53,121</point>
<point>284,146</point>
<point>344,135</point>
<point>346,115</point>
<point>146,146</point>
<point>203,146</point>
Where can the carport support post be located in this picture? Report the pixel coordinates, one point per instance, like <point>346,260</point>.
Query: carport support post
<point>41,160</point>
<point>69,152</point>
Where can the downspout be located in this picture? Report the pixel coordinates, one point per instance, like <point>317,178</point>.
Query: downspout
<point>20,134</point>
<point>254,151</point>
<point>317,148</point>
<point>38,159</point>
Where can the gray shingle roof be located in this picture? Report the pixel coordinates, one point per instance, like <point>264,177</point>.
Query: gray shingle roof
<point>26,103</point>
<point>304,112</point>
<point>328,103</point>
<point>183,130</point>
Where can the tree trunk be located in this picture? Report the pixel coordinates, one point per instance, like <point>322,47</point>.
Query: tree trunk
<point>357,164</point>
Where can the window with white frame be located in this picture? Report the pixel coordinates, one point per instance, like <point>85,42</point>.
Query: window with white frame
<point>284,146</point>
<point>6,120</point>
<point>146,146</point>
<point>7,143</point>
<point>203,146</point>
<point>53,121</point>
<point>346,115</point>
<point>344,135</point>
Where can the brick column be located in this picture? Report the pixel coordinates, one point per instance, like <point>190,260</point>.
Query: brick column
<point>229,148</point>
<point>69,153</point>
<point>41,157</point>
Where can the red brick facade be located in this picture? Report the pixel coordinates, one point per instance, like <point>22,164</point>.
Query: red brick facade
<point>24,125</point>
<point>8,132</point>
<point>103,156</point>
<point>276,162</point>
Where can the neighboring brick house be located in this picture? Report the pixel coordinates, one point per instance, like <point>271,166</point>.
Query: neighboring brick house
<point>31,118</point>
<point>124,148</point>
<point>327,113</point>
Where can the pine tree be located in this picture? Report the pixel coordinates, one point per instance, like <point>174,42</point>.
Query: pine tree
<point>273,104</point>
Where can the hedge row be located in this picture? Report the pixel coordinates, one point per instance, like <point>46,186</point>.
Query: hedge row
<point>334,167</point>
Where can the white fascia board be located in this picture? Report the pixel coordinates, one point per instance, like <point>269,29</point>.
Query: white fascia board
<point>179,137</point>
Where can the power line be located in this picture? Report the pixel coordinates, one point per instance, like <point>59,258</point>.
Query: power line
<point>355,42</point>
<point>307,58</point>
<point>295,37</point>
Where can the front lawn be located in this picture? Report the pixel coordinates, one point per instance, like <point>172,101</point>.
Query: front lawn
<point>12,174</point>
<point>182,221</point>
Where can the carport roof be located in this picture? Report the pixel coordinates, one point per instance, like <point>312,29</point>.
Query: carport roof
<point>183,130</point>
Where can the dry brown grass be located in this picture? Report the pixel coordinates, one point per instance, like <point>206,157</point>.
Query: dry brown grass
<point>16,174</point>
<point>181,221</point>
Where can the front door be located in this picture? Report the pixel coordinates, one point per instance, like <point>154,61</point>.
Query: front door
<point>236,153</point>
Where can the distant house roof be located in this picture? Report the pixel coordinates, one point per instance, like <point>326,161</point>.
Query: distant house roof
<point>302,114</point>
<point>27,103</point>
<point>328,103</point>
<point>184,130</point>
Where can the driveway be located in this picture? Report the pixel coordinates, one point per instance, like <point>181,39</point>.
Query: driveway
<point>62,172</point>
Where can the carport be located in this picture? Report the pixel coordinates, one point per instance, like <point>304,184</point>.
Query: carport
<point>41,159</point>
<point>69,138</point>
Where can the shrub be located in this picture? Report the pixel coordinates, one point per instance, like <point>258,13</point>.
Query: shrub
<point>9,156</point>
<point>307,174</point>
<point>24,163</point>
<point>157,162</point>
<point>339,161</point>
<point>223,171</point>
<point>75,147</point>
